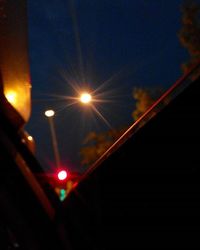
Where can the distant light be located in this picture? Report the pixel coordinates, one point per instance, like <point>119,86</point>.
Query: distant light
<point>62,175</point>
<point>85,98</point>
<point>11,97</point>
<point>30,138</point>
<point>49,113</point>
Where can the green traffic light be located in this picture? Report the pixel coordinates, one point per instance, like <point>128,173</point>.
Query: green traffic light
<point>62,194</point>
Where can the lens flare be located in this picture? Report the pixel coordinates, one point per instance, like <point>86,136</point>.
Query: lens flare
<point>85,98</point>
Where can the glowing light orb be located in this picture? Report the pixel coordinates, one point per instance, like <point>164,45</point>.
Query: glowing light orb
<point>30,138</point>
<point>49,113</point>
<point>85,98</point>
<point>62,175</point>
<point>11,97</point>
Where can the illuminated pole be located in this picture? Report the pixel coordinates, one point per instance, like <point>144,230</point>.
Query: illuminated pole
<point>50,114</point>
<point>85,98</point>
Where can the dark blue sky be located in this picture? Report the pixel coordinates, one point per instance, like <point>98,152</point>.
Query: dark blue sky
<point>131,42</point>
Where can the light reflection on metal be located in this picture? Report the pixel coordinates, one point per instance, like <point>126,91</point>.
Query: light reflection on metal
<point>30,138</point>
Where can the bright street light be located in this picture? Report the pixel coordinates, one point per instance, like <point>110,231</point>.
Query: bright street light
<point>85,98</point>
<point>50,114</point>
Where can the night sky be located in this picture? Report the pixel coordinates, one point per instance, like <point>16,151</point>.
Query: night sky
<point>107,46</point>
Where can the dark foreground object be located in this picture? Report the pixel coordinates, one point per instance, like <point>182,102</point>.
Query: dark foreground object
<point>143,193</point>
<point>146,194</point>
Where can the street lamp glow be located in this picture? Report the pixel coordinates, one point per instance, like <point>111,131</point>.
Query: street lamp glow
<point>85,98</point>
<point>49,113</point>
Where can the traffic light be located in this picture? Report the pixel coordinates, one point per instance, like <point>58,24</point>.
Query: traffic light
<point>61,180</point>
<point>62,194</point>
<point>62,175</point>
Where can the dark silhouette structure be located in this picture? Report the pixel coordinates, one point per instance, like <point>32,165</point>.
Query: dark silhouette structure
<point>144,192</point>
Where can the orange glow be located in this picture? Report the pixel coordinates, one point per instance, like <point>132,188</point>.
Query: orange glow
<point>18,95</point>
<point>14,60</point>
<point>11,96</point>
<point>30,138</point>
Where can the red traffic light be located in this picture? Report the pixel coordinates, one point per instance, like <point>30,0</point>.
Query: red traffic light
<point>62,175</point>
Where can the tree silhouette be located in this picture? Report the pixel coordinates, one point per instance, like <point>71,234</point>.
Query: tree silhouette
<point>144,99</point>
<point>189,34</point>
<point>96,144</point>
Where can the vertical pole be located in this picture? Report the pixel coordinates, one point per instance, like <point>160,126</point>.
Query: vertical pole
<point>54,141</point>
